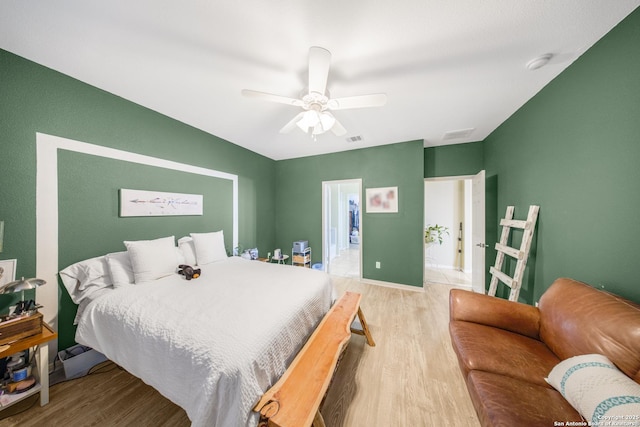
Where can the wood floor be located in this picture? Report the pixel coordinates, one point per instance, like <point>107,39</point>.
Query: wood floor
<point>409,379</point>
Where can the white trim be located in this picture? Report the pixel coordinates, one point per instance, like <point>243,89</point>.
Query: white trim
<point>449,178</point>
<point>47,147</point>
<point>393,285</point>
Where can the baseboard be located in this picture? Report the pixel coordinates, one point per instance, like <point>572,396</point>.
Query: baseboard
<point>393,285</point>
<point>445,267</point>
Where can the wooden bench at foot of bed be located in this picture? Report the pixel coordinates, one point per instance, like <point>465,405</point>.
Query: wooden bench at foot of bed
<point>294,401</point>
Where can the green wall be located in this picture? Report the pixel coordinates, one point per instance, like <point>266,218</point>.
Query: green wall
<point>454,160</point>
<point>574,149</point>
<point>34,99</point>
<point>89,223</point>
<point>393,239</point>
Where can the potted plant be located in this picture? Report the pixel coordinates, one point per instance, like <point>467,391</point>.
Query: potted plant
<point>435,234</point>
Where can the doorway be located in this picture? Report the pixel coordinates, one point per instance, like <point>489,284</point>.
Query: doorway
<point>342,227</point>
<point>456,255</point>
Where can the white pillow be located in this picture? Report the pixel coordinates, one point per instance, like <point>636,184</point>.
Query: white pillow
<point>179,255</point>
<point>85,277</point>
<point>596,388</point>
<point>121,269</point>
<point>152,259</point>
<point>188,250</point>
<point>209,247</point>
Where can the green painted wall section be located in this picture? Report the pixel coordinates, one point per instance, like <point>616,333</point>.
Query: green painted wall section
<point>34,99</point>
<point>88,193</point>
<point>393,239</point>
<point>574,149</point>
<point>89,223</point>
<point>454,160</point>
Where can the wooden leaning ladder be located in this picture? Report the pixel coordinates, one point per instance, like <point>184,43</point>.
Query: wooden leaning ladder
<point>295,400</point>
<point>521,255</point>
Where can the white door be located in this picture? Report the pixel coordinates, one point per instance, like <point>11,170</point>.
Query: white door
<point>478,236</point>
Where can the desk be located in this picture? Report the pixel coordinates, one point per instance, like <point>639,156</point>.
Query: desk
<point>42,362</point>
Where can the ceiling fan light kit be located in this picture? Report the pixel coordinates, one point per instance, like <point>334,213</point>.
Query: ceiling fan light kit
<point>315,119</point>
<point>316,122</point>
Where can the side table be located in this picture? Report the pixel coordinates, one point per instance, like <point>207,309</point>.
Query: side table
<point>282,260</point>
<point>42,362</point>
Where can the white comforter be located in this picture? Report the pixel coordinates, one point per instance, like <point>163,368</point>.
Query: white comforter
<point>212,345</point>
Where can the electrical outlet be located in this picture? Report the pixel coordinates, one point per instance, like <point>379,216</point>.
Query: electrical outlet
<point>377,264</point>
<point>268,254</point>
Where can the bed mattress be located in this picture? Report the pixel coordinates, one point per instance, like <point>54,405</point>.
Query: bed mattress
<point>215,344</point>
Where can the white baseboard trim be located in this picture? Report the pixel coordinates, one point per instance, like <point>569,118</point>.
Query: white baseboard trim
<point>392,285</point>
<point>445,267</point>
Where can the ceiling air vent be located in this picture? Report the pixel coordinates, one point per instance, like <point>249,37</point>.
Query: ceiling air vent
<point>354,138</point>
<point>458,134</point>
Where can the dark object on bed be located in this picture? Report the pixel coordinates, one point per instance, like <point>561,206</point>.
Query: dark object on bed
<point>188,272</point>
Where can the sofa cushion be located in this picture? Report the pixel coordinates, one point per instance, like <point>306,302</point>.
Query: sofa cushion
<point>576,319</point>
<point>489,349</point>
<point>505,401</point>
<point>512,316</point>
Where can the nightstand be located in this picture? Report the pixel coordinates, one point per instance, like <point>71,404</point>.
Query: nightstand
<point>282,260</point>
<point>42,363</point>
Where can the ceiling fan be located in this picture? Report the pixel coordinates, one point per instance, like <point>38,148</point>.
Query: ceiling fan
<point>316,103</point>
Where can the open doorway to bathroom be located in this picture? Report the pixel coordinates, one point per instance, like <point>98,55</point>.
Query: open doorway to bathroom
<point>342,227</point>
<point>448,206</point>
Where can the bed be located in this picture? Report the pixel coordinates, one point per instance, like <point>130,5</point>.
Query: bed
<point>212,345</point>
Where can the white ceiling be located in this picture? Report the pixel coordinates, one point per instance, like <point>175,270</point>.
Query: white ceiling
<point>444,65</point>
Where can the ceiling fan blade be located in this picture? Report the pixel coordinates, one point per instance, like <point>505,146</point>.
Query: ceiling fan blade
<point>338,129</point>
<point>272,98</point>
<point>319,62</point>
<point>360,101</point>
<point>292,124</point>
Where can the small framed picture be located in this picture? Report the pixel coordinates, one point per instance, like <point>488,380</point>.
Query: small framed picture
<point>382,200</point>
<point>7,271</point>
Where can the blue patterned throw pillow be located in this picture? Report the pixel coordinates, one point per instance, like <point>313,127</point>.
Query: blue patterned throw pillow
<point>597,389</point>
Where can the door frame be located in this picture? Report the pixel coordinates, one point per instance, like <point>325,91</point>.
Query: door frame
<point>479,235</point>
<point>477,276</point>
<point>325,231</point>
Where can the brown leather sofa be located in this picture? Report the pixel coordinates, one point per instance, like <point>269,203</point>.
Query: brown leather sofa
<point>506,349</point>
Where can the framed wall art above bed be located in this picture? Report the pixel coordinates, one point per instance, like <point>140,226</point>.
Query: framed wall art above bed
<point>157,203</point>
